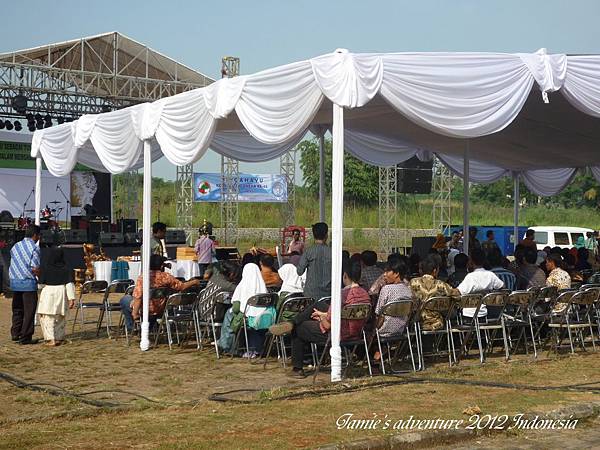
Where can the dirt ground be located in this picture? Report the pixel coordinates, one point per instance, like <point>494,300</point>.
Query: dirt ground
<point>176,412</point>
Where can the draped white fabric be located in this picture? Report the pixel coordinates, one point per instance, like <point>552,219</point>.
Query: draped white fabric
<point>548,182</point>
<point>398,105</point>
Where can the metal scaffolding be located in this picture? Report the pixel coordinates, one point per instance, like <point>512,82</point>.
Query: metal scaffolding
<point>287,168</point>
<point>388,205</point>
<point>441,189</point>
<point>91,75</point>
<point>185,198</point>
<point>230,172</point>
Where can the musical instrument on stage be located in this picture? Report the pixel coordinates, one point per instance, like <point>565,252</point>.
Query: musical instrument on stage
<point>46,213</point>
<point>55,202</point>
<point>24,222</point>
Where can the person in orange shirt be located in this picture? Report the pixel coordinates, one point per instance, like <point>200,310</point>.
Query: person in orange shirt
<point>268,272</point>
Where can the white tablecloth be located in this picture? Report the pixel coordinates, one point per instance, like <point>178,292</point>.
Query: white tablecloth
<point>184,268</point>
<point>102,270</point>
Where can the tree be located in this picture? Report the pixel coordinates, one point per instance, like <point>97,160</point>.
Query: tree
<point>360,179</point>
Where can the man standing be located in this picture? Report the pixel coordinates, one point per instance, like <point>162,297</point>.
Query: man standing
<point>490,244</point>
<point>316,261</point>
<point>529,240</point>
<point>24,267</point>
<point>205,248</point>
<point>159,230</point>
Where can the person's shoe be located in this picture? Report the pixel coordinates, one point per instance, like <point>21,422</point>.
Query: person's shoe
<point>28,341</point>
<point>297,373</point>
<point>15,338</point>
<point>279,329</point>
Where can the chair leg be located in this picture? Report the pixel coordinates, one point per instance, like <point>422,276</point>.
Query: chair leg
<point>320,361</point>
<point>381,358</point>
<point>75,319</point>
<point>99,324</point>
<point>214,333</point>
<point>269,348</point>
<point>532,338</point>
<point>367,353</point>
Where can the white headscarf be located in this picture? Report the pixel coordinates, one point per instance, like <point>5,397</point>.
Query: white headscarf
<point>291,281</point>
<point>252,283</point>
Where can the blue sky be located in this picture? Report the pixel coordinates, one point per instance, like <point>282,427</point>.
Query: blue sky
<point>268,33</point>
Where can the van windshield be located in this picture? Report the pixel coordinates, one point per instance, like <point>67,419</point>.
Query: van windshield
<point>541,237</point>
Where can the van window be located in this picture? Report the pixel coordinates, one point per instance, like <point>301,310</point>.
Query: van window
<point>561,239</point>
<point>574,237</point>
<point>541,237</point>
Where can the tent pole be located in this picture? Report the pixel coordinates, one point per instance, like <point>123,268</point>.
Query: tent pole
<point>466,200</point>
<point>516,198</point>
<point>146,218</point>
<point>337,220</point>
<point>38,189</point>
<point>322,176</point>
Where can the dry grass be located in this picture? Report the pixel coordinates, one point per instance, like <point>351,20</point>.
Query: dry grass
<point>37,420</point>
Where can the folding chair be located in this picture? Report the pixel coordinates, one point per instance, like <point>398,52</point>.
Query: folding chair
<point>205,317</point>
<point>540,310</point>
<point>400,309</point>
<point>577,316</point>
<point>155,294</point>
<point>445,307</point>
<point>115,287</point>
<point>357,311</point>
<point>496,304</point>
<point>293,304</point>
<point>518,318</point>
<point>89,288</point>
<point>257,301</point>
<point>176,313</point>
<point>466,330</point>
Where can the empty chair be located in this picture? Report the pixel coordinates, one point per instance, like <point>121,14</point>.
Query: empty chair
<point>89,298</point>
<point>116,287</point>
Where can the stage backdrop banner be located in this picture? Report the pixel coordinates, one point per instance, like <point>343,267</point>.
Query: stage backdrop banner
<point>261,188</point>
<point>90,188</point>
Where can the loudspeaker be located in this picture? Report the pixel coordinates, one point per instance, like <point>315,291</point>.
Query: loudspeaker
<point>133,239</point>
<point>127,225</point>
<point>175,237</point>
<point>111,238</point>
<point>422,245</point>
<point>414,176</point>
<point>226,253</point>
<point>75,236</point>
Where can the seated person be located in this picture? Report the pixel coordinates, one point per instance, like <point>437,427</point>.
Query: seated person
<point>396,289</point>
<point>427,286</point>
<point>460,270</point>
<point>370,271</point>
<point>479,279</point>
<point>381,280</point>
<point>268,272</point>
<point>315,328</point>
<point>506,276</point>
<point>224,278</point>
<point>529,274</point>
<point>131,306</point>
<point>557,277</point>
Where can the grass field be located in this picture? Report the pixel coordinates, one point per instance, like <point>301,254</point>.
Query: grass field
<point>178,412</point>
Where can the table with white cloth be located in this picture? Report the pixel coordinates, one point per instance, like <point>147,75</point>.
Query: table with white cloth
<point>184,268</point>
<point>103,270</point>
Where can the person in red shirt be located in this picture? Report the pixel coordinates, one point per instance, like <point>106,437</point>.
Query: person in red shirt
<point>313,324</point>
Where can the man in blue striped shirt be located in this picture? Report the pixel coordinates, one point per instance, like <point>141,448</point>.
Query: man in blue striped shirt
<point>24,267</point>
<point>508,278</point>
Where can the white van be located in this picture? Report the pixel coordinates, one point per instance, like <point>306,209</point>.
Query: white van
<point>563,237</point>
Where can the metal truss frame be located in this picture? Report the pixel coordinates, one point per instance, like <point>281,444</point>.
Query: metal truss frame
<point>442,190</point>
<point>287,168</point>
<point>230,173</point>
<point>388,208</point>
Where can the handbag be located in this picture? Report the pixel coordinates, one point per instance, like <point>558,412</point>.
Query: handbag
<point>264,320</point>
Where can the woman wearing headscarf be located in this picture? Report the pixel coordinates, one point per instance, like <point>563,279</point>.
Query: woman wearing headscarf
<point>251,284</point>
<point>57,296</point>
<point>291,282</point>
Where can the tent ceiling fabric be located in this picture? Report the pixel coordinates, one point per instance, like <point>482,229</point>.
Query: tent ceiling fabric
<point>535,114</point>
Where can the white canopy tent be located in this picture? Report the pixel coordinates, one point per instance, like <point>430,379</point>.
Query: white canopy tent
<point>486,115</point>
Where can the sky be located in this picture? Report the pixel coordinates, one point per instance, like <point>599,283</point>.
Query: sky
<point>264,34</point>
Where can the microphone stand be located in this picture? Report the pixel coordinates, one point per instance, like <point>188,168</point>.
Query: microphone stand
<point>68,221</point>
<point>25,204</point>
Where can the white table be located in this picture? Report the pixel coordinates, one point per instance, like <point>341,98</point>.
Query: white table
<point>184,268</point>
<point>103,270</point>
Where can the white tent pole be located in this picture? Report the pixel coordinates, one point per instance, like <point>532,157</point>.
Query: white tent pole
<point>337,222</point>
<point>322,176</point>
<point>516,197</point>
<point>147,217</point>
<point>466,200</point>
<point>38,189</point>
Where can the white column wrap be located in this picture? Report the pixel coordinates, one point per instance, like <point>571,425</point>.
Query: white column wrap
<point>38,189</point>
<point>146,227</point>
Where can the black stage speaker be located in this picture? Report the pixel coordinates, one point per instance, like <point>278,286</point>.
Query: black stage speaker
<point>132,239</point>
<point>127,225</point>
<point>175,237</point>
<point>225,253</point>
<point>422,245</point>
<point>414,176</point>
<point>75,236</point>
<point>111,238</point>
